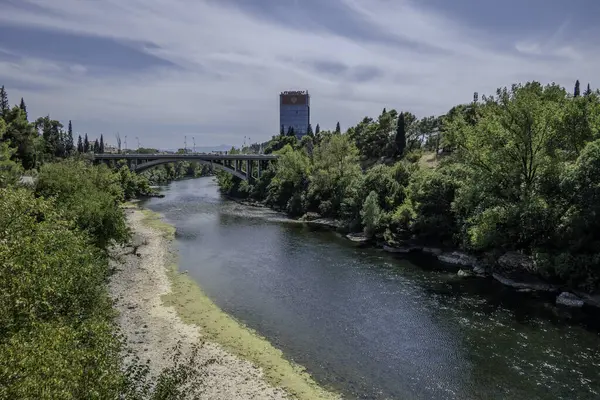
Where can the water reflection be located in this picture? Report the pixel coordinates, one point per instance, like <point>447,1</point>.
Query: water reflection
<point>368,323</point>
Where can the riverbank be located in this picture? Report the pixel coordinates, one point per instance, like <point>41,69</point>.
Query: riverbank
<point>512,269</point>
<point>160,307</point>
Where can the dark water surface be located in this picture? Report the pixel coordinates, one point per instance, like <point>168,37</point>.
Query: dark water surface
<point>370,324</point>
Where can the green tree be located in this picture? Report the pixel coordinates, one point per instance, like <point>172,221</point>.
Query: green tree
<point>79,145</point>
<point>9,170</point>
<point>4,106</point>
<point>338,130</point>
<point>21,135</point>
<point>317,129</point>
<point>309,131</point>
<point>69,143</point>
<point>101,145</point>
<point>86,144</point>
<point>96,149</point>
<point>576,91</point>
<point>400,135</point>
<point>282,131</point>
<point>588,91</point>
<point>290,131</point>
<point>290,181</point>
<point>23,107</point>
<point>371,214</point>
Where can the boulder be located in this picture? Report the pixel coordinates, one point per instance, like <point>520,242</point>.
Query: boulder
<point>464,273</point>
<point>357,237</point>
<point>515,261</point>
<point>458,258</point>
<point>569,300</point>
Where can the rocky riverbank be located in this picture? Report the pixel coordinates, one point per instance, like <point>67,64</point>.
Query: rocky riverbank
<point>143,288</point>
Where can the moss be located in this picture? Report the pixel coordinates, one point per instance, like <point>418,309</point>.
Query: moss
<point>194,307</point>
<point>154,221</point>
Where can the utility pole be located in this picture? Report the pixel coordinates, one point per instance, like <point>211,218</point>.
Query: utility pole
<point>185,144</point>
<point>249,145</point>
<point>194,140</point>
<point>125,144</point>
<point>138,143</point>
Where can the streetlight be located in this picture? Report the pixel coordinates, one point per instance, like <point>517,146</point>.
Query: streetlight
<point>194,140</point>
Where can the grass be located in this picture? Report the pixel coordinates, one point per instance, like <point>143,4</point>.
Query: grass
<point>428,160</point>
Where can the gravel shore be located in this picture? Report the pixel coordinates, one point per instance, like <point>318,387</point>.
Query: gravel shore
<point>152,329</point>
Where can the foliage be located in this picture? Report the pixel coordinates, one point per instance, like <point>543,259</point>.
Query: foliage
<point>371,214</point>
<point>516,171</point>
<point>89,194</point>
<point>9,170</point>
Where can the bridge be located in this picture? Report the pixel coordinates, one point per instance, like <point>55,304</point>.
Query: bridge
<point>240,165</point>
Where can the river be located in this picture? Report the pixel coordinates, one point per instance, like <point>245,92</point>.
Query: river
<point>372,325</point>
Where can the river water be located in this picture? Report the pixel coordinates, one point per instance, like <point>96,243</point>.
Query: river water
<point>372,325</point>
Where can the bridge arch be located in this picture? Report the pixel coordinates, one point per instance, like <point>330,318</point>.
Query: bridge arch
<point>153,163</point>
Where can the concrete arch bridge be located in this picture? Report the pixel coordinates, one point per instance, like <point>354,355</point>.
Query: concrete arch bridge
<point>244,166</point>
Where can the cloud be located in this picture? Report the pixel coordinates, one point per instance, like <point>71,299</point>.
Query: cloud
<point>221,66</point>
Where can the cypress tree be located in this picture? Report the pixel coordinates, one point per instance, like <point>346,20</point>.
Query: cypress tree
<point>4,106</point>
<point>96,147</point>
<point>101,148</point>
<point>79,145</point>
<point>338,129</point>
<point>69,146</point>
<point>309,131</point>
<point>290,131</point>
<point>86,144</point>
<point>588,91</point>
<point>317,129</point>
<point>384,111</point>
<point>23,107</point>
<point>401,135</point>
<point>282,131</point>
<point>576,91</point>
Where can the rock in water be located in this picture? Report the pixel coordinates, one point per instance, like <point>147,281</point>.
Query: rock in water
<point>569,300</point>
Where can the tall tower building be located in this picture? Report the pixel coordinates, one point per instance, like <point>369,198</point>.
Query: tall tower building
<point>294,112</point>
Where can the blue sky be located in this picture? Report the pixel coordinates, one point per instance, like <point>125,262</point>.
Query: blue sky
<point>212,69</point>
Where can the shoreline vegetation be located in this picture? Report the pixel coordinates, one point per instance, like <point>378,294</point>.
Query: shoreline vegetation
<point>504,186</point>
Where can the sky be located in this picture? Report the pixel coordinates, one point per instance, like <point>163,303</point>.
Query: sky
<point>161,70</point>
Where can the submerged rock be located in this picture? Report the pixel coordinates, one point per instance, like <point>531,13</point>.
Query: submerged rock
<point>432,250</point>
<point>569,300</point>
<point>391,249</point>
<point>537,285</point>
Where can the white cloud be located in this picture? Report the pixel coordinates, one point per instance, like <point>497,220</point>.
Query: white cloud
<point>231,66</point>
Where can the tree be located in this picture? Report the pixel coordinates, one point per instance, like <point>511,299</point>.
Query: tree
<point>22,136</point>
<point>101,146</point>
<point>588,91</point>
<point>4,106</point>
<point>9,170</point>
<point>290,131</point>
<point>317,129</point>
<point>282,131</point>
<point>23,107</point>
<point>69,145</point>
<point>309,131</point>
<point>371,214</point>
<point>79,145</point>
<point>384,110</point>
<point>576,91</point>
<point>86,144</point>
<point>338,130</point>
<point>96,147</point>
<point>400,135</point>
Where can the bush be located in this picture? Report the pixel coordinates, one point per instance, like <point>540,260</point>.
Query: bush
<point>371,214</point>
<point>89,195</point>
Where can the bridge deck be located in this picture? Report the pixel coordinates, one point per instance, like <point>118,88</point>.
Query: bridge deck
<point>182,157</point>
